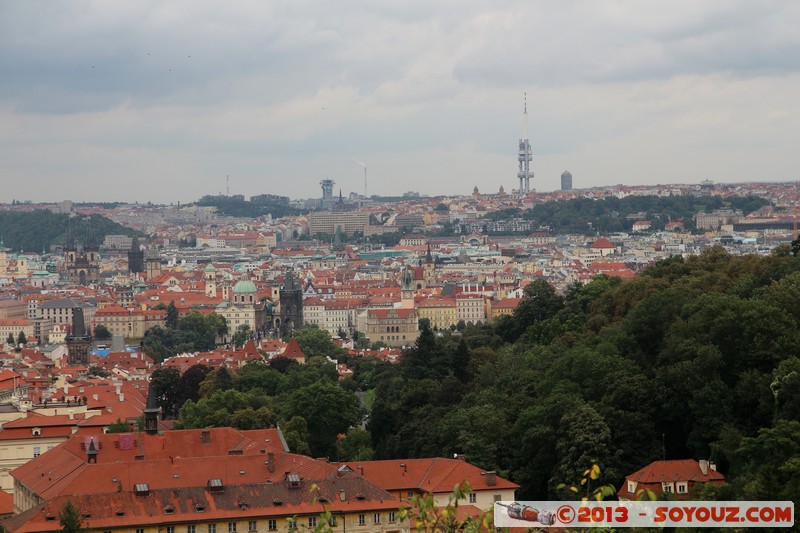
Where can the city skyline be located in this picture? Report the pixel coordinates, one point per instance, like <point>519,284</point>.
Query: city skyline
<point>162,101</point>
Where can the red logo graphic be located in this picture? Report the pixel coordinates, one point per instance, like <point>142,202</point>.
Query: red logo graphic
<point>565,514</point>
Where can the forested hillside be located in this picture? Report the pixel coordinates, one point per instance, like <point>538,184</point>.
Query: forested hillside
<point>37,230</point>
<point>608,215</point>
<point>695,358</point>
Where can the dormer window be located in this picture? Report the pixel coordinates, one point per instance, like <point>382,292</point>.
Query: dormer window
<point>36,432</point>
<point>215,485</point>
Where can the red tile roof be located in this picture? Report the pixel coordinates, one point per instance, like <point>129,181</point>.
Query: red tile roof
<point>437,475</point>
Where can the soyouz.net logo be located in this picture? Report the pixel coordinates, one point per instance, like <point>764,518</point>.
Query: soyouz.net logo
<point>644,514</point>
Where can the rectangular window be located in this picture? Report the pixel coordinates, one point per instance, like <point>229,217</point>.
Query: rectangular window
<point>473,498</point>
<point>681,488</point>
<point>667,487</point>
<point>37,451</point>
<point>410,494</point>
<point>170,529</point>
<point>497,497</point>
<point>312,521</point>
<point>292,523</point>
<point>362,519</point>
<point>391,517</point>
<point>231,527</point>
<point>190,529</point>
<point>272,524</point>
<point>376,518</point>
<point>140,531</point>
<point>212,528</point>
<point>251,526</point>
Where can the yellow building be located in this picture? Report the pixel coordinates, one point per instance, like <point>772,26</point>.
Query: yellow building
<point>441,312</point>
<point>13,326</point>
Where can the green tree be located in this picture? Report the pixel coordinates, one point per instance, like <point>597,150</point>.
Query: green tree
<point>171,318</point>
<point>10,339</point>
<point>356,445</point>
<point>315,341</point>
<point>248,410</point>
<point>101,332</point>
<point>584,440</point>
<point>119,426</point>
<point>71,519</point>
<point>770,464</point>
<point>165,385</point>
<point>242,335</point>
<point>190,382</point>
<point>295,432</point>
<point>217,380</point>
<point>328,409</point>
<point>22,338</point>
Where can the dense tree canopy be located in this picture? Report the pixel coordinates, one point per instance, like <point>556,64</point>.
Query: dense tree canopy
<point>194,332</point>
<point>698,354</point>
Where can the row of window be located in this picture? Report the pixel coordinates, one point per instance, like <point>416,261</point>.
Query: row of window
<point>272,524</point>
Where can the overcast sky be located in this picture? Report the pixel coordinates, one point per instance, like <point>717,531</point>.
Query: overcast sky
<point>160,100</point>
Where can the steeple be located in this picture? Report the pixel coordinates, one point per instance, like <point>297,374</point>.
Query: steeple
<point>69,239</point>
<point>91,453</point>
<point>90,241</point>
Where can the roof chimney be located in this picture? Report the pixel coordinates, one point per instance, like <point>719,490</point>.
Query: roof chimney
<point>491,478</point>
<point>713,466</point>
<point>271,462</point>
<point>703,466</point>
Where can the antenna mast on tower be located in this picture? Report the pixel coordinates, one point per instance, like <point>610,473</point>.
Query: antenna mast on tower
<point>227,185</point>
<point>524,154</point>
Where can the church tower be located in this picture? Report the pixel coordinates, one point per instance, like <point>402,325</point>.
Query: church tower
<point>135,257</point>
<point>291,298</point>
<point>210,280</point>
<point>82,266</point>
<point>407,290</point>
<point>79,342</point>
<point>429,268</point>
<point>153,262</point>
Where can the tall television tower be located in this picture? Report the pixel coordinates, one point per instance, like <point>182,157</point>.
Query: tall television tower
<point>525,156</point>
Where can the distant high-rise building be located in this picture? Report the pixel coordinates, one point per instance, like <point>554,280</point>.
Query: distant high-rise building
<point>524,157</point>
<point>566,181</point>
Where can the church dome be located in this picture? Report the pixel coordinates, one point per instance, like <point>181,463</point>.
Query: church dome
<point>244,286</point>
<point>210,268</point>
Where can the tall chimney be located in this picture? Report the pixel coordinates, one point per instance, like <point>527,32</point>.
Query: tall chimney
<point>491,478</point>
<point>703,466</point>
